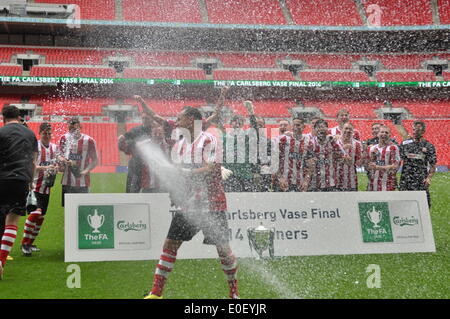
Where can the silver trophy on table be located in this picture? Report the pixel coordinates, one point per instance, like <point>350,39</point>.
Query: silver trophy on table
<point>261,239</point>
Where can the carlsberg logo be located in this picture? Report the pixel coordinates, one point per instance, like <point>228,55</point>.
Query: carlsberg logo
<point>404,221</point>
<point>127,226</point>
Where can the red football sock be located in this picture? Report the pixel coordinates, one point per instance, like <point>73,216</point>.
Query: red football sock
<point>9,236</point>
<point>37,229</point>
<point>163,269</point>
<point>29,227</point>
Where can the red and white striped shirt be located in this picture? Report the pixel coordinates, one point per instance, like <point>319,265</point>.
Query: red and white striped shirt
<point>46,156</point>
<point>327,155</point>
<point>203,150</point>
<point>346,177</point>
<point>337,131</point>
<point>82,151</point>
<point>293,153</point>
<point>383,156</point>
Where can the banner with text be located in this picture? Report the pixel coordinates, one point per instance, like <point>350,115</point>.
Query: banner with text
<point>50,80</point>
<point>100,227</point>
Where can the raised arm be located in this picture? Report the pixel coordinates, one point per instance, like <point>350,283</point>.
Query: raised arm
<point>147,110</point>
<point>216,117</point>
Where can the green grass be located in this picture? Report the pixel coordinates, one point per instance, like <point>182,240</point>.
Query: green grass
<point>414,275</point>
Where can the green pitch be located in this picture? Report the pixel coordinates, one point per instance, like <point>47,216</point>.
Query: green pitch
<point>418,275</point>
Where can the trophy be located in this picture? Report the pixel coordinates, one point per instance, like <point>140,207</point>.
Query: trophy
<point>374,216</point>
<point>49,177</point>
<point>96,221</point>
<point>75,169</point>
<point>261,239</point>
<point>31,202</point>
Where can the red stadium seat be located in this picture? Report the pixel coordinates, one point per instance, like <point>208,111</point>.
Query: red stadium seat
<point>361,110</point>
<point>164,74</point>
<point>73,72</point>
<point>446,75</point>
<point>400,12</point>
<point>264,108</point>
<point>352,76</point>
<point>266,12</point>
<point>426,109</point>
<point>187,11</point>
<point>410,76</point>
<point>246,60</point>
<point>444,11</point>
<point>324,12</point>
<point>11,70</point>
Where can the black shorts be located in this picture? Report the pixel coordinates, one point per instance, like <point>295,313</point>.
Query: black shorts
<point>13,196</point>
<point>42,201</point>
<point>72,189</point>
<point>214,226</point>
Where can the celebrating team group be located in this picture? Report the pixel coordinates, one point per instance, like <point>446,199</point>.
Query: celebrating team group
<point>326,159</point>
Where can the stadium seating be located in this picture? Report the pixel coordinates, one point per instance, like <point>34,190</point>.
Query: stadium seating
<point>361,110</point>
<point>446,75</point>
<point>164,74</point>
<point>410,76</point>
<point>72,72</point>
<point>168,108</point>
<point>83,107</point>
<point>266,12</point>
<point>400,12</point>
<point>269,12</point>
<point>157,58</point>
<point>11,70</point>
<point>326,61</point>
<point>90,9</point>
<point>426,109</point>
<point>105,134</point>
<point>444,11</point>
<point>187,11</point>
<point>324,12</point>
<point>247,59</point>
<point>266,109</point>
<point>334,76</point>
<point>253,75</point>
<point>61,56</point>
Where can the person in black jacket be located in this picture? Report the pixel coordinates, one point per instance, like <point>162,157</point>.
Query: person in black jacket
<point>419,161</point>
<point>18,152</point>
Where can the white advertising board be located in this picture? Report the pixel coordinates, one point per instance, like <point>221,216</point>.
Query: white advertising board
<point>100,227</point>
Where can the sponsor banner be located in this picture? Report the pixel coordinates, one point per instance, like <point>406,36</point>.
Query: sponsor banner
<point>134,226</point>
<point>43,80</point>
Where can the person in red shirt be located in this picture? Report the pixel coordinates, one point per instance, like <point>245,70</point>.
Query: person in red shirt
<point>326,153</point>
<point>346,176</point>
<point>202,208</point>
<point>44,178</point>
<point>383,162</point>
<point>78,154</point>
<point>294,169</point>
